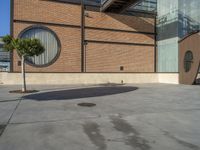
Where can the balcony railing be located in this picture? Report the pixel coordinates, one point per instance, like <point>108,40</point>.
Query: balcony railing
<point>118,6</point>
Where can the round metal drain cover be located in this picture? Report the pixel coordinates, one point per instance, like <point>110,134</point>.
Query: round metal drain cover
<point>86,104</point>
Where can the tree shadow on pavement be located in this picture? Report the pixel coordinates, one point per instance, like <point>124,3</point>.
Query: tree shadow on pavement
<point>79,93</point>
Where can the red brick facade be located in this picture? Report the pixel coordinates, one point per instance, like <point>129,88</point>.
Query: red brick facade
<point>113,40</point>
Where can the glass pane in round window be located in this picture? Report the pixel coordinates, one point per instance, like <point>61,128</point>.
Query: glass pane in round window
<point>188,61</point>
<point>49,41</point>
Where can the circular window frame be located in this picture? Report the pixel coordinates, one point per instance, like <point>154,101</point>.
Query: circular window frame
<point>186,61</point>
<point>56,37</point>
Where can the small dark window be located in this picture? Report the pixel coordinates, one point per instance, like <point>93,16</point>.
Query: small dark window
<point>188,60</point>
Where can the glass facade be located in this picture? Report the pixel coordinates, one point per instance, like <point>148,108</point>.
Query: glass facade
<point>167,35</point>
<point>145,6</point>
<point>175,19</point>
<point>189,16</point>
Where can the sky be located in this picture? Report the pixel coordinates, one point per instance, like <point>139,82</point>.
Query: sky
<point>4,17</point>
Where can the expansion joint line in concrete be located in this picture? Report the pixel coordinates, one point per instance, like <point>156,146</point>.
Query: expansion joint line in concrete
<point>7,101</point>
<point>54,121</point>
<point>8,122</point>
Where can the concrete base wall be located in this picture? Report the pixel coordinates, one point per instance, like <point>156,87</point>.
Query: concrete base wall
<point>88,78</point>
<point>172,78</point>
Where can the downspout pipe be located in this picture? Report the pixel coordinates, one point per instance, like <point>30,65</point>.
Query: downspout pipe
<point>82,36</point>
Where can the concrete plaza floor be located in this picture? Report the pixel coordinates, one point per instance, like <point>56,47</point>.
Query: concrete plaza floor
<point>129,117</point>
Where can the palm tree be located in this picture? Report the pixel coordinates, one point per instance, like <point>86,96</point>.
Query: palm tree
<point>25,48</point>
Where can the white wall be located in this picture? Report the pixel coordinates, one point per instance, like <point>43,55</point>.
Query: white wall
<point>171,78</point>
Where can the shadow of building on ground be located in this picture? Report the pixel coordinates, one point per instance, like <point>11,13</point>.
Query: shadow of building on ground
<point>79,93</point>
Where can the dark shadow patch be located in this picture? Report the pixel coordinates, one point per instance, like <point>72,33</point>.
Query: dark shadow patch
<point>92,130</point>
<point>79,93</point>
<point>133,137</point>
<point>2,128</point>
<point>181,142</point>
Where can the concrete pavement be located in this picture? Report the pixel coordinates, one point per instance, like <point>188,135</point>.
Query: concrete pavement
<point>130,117</point>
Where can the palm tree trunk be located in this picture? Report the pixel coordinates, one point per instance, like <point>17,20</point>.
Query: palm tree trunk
<point>23,74</point>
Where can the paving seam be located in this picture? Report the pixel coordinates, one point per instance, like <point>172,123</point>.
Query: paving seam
<point>8,122</point>
<point>6,101</point>
<point>54,121</point>
<point>94,117</point>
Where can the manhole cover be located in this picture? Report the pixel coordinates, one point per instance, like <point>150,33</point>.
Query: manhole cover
<point>87,104</point>
<point>2,127</point>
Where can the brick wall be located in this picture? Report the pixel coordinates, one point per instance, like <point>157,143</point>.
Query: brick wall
<point>111,38</point>
<point>132,58</point>
<point>69,59</point>
<point>47,11</point>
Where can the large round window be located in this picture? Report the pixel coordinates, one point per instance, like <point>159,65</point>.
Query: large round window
<point>188,60</point>
<point>50,42</point>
